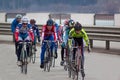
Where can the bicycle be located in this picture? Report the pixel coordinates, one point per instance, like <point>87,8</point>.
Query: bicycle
<point>77,65</point>
<point>48,56</point>
<point>24,56</point>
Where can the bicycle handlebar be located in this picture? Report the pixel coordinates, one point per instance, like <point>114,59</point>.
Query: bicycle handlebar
<point>21,42</point>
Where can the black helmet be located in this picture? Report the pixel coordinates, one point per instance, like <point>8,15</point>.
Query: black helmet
<point>71,23</point>
<point>50,22</point>
<point>78,26</point>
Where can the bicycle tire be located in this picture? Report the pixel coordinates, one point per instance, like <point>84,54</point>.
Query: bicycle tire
<point>21,58</point>
<point>69,72</point>
<point>33,54</point>
<point>82,70</point>
<point>49,60</point>
<point>53,59</point>
<point>24,62</point>
<point>45,61</point>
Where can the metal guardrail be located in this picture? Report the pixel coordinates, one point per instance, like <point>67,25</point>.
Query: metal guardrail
<point>94,32</point>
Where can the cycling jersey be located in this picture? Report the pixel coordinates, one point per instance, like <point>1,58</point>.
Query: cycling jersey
<point>47,33</point>
<point>36,30</point>
<point>14,25</point>
<point>23,32</point>
<point>82,34</point>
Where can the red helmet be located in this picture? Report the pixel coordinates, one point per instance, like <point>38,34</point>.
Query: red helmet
<point>66,22</point>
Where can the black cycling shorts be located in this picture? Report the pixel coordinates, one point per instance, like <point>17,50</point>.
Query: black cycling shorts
<point>78,41</point>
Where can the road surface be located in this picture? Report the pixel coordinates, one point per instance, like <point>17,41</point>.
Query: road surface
<point>98,66</point>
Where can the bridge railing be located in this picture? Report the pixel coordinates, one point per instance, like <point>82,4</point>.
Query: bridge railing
<point>101,33</point>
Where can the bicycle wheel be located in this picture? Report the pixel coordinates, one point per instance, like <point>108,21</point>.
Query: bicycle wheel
<point>53,59</point>
<point>24,62</point>
<point>22,59</point>
<point>45,61</point>
<point>33,56</point>
<point>82,69</point>
<point>49,63</point>
<point>66,59</point>
<point>69,71</point>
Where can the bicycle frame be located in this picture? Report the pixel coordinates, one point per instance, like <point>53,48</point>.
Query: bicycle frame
<point>23,57</point>
<point>78,64</point>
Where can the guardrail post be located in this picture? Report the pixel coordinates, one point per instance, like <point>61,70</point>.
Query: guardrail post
<point>107,44</point>
<point>91,43</point>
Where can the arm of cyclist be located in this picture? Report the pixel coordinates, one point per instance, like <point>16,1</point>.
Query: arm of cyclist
<point>85,37</point>
<point>70,38</point>
<point>55,35</point>
<point>16,34</point>
<point>31,34</point>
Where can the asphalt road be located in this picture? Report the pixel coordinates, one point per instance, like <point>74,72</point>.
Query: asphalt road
<point>98,66</point>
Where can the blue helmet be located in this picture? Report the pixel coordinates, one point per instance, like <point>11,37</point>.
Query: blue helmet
<point>50,22</point>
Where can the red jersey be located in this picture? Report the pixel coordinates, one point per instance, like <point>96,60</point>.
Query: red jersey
<point>46,32</point>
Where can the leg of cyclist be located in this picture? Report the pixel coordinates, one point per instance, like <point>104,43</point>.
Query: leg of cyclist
<point>19,47</point>
<point>62,56</point>
<point>62,53</point>
<point>43,48</point>
<point>56,47</point>
<point>27,39</point>
<point>52,44</point>
<point>35,42</point>
<point>80,43</point>
<point>74,42</point>
<point>82,51</point>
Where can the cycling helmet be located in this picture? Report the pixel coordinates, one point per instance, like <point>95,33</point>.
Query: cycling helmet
<point>66,22</point>
<point>78,26</point>
<point>50,22</point>
<point>32,21</point>
<point>18,16</point>
<point>25,19</point>
<point>71,23</point>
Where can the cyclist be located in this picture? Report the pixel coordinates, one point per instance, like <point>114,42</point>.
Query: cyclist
<point>68,25</point>
<point>48,33</point>
<point>35,31</point>
<point>78,34</point>
<point>23,32</point>
<point>14,24</point>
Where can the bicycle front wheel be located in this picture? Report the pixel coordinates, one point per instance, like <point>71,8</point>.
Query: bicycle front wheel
<point>33,54</point>
<point>24,62</point>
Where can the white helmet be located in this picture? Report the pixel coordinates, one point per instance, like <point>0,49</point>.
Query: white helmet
<point>25,19</point>
<point>18,16</point>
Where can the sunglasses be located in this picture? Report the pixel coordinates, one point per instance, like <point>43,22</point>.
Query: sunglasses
<point>25,23</point>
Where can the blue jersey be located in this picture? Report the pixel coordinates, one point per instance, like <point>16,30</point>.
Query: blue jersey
<point>66,31</point>
<point>36,30</point>
<point>57,29</point>
<point>14,25</point>
<point>23,31</point>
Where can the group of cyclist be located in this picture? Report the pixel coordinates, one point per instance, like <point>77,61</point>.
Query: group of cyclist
<point>23,29</point>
